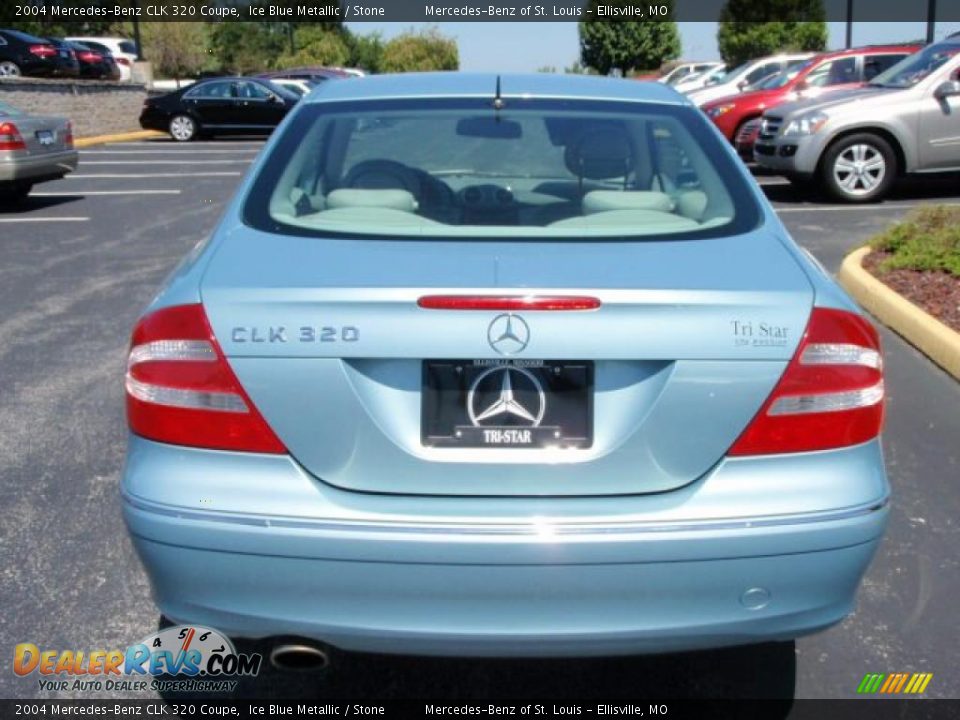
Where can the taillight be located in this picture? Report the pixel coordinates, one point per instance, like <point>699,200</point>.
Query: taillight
<point>68,135</point>
<point>43,51</point>
<point>123,61</point>
<point>830,395</point>
<point>181,390</point>
<point>89,57</point>
<point>10,138</point>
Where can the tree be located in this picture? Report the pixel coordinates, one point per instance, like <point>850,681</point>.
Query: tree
<point>366,51</point>
<point>423,51</point>
<point>244,47</point>
<point>177,49</point>
<point>316,45</point>
<point>750,29</point>
<point>625,46</point>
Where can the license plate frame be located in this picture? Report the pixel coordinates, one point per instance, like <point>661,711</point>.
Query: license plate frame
<point>464,404</point>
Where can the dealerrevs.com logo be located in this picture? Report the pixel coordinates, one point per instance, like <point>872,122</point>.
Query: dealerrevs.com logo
<point>185,658</point>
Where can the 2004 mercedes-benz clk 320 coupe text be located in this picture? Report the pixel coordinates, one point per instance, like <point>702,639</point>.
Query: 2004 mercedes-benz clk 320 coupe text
<point>503,366</point>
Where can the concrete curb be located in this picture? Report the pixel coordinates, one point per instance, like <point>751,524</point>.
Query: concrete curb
<point>116,137</point>
<point>934,339</point>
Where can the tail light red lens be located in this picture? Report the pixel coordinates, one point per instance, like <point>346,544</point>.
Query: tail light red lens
<point>43,51</point>
<point>10,137</point>
<point>68,135</point>
<point>89,57</point>
<point>123,61</point>
<point>831,394</point>
<point>181,389</point>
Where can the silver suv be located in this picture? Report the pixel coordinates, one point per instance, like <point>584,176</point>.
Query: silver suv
<point>856,143</point>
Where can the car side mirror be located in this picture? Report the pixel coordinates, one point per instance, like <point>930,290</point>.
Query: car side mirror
<point>742,85</point>
<point>801,86</point>
<point>950,88</point>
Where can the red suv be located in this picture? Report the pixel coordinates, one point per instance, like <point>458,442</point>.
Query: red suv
<point>738,116</point>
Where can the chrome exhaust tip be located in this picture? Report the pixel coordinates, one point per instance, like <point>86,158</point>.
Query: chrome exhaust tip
<point>299,657</point>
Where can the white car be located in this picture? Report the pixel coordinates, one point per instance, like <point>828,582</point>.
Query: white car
<point>124,51</point>
<point>699,80</point>
<point>686,71</point>
<point>745,75</point>
<point>300,87</point>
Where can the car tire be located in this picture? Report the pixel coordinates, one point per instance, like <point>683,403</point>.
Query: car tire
<point>183,128</point>
<point>859,168</point>
<point>8,68</point>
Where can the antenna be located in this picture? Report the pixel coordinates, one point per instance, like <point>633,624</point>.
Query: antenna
<point>498,103</point>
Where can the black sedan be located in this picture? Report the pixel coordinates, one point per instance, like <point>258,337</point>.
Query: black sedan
<point>91,63</point>
<point>23,54</point>
<point>219,106</point>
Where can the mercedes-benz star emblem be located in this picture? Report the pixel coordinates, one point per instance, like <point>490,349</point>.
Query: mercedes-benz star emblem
<point>508,334</point>
<point>498,401</point>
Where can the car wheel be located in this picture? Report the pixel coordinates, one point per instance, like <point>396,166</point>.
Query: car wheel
<point>183,128</point>
<point>859,168</point>
<point>9,68</point>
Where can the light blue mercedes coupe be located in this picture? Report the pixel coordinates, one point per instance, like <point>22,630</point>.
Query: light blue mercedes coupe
<point>503,366</point>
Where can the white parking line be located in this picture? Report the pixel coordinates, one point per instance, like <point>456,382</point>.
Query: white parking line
<point>886,206</point>
<point>152,175</point>
<point>185,151</point>
<point>187,146</point>
<point>43,219</point>
<point>105,192</point>
<point>167,162</point>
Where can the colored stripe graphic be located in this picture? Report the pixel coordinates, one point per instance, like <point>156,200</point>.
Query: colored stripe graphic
<point>870,683</point>
<point>894,683</point>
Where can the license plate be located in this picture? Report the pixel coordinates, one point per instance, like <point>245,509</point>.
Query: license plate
<point>45,137</point>
<point>507,403</point>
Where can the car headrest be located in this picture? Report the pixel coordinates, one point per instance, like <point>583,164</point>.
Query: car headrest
<point>387,198</point>
<point>600,154</point>
<point>605,200</point>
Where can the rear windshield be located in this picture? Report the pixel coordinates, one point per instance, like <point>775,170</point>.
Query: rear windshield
<point>534,168</point>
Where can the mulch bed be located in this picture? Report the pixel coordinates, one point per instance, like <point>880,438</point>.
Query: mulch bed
<point>936,292</point>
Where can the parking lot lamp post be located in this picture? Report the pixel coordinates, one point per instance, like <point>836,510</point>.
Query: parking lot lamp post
<point>849,24</point>
<point>931,19</point>
<point>136,33</point>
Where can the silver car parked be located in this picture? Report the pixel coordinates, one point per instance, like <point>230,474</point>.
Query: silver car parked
<point>856,144</point>
<point>33,149</point>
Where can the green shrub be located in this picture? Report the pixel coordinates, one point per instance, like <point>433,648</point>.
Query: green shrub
<point>928,239</point>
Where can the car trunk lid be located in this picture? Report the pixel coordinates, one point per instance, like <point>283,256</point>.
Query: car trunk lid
<point>329,341</point>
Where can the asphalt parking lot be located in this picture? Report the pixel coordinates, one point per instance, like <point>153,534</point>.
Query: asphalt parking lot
<point>84,254</point>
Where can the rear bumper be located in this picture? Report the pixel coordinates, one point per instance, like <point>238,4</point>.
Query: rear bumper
<point>479,576</point>
<point>38,169</point>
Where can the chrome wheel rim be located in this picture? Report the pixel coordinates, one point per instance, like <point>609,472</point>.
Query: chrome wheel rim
<point>8,69</point>
<point>181,127</point>
<point>859,169</point>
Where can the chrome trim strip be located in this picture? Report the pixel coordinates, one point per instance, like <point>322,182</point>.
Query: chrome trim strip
<point>536,527</point>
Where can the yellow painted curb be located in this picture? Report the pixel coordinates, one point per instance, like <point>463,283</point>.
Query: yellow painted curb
<point>116,137</point>
<point>934,339</point>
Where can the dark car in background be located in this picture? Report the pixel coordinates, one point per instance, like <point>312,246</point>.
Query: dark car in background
<point>23,54</point>
<point>219,106</point>
<point>94,64</point>
<point>313,74</point>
